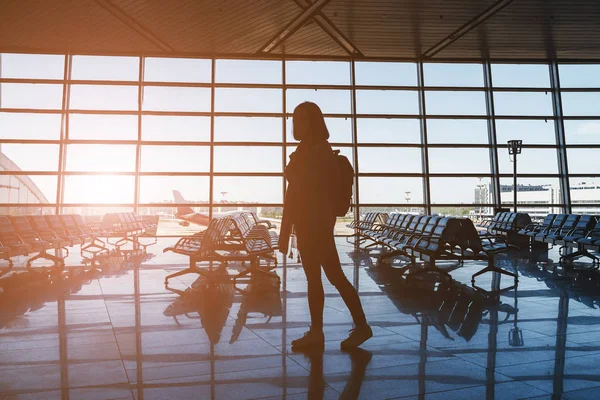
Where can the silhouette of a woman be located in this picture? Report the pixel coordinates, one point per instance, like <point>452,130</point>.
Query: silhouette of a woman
<point>308,209</point>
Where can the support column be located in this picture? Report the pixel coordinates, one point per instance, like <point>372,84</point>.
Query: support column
<point>212,139</point>
<point>354,139</point>
<point>492,138</point>
<point>138,148</point>
<point>559,129</point>
<point>424,143</point>
<point>64,133</point>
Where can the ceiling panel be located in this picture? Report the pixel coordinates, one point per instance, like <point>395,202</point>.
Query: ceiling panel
<point>525,29</point>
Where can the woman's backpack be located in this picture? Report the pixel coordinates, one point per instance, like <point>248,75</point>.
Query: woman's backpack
<point>342,193</point>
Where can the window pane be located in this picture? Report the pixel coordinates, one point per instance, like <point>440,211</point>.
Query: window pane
<point>32,66</point>
<point>248,129</point>
<point>94,214</point>
<point>176,128</point>
<point>457,160</point>
<point>582,132</point>
<point>107,127</point>
<point>247,159</point>
<point>372,130</point>
<point>105,68</point>
<point>175,159</point>
<point>248,189</point>
<point>453,74</point>
<point>458,190</point>
<point>457,131</point>
<point>30,157</point>
<point>248,100</point>
<point>522,103</point>
<point>340,130</point>
<point>390,190</point>
<point>587,104</point>
<point>531,161</point>
<point>392,160</point>
<point>455,103</point>
<point>387,102</point>
<point>177,70</point>
<point>248,71</point>
<point>579,76</point>
<point>30,126</point>
<point>317,72</point>
<point>330,101</point>
<point>162,98</point>
<point>103,97</point>
<point>583,161</point>
<point>386,74</point>
<point>530,131</point>
<point>25,95</point>
<point>24,189</point>
<point>99,189</point>
<point>521,75</point>
<point>100,158</point>
<point>534,193</point>
<point>159,189</point>
<point>585,191</point>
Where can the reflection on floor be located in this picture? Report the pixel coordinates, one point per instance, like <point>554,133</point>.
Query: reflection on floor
<point>118,333</point>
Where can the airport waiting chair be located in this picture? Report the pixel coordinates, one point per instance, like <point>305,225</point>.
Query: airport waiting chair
<point>62,232</point>
<point>203,248</point>
<point>554,234</point>
<point>533,229</point>
<point>45,232</point>
<point>23,228</point>
<point>68,223</point>
<point>10,238</point>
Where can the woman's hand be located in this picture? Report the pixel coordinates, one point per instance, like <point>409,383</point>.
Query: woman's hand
<point>283,244</point>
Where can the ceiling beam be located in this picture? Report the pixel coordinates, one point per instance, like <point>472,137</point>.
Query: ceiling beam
<point>332,30</point>
<point>294,25</point>
<point>466,28</point>
<point>133,24</point>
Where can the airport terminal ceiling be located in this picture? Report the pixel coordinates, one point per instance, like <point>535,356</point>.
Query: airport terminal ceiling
<point>407,29</point>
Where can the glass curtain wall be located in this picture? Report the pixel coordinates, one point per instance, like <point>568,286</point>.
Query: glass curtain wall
<point>96,134</point>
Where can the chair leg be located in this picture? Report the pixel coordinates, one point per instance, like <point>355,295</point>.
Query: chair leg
<point>492,268</point>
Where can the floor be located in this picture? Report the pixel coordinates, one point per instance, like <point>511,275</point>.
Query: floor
<point>119,334</point>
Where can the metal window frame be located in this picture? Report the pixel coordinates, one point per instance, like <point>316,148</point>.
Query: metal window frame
<point>64,140</point>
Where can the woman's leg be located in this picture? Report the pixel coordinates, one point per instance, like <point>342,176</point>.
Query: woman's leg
<point>312,270</point>
<point>335,275</point>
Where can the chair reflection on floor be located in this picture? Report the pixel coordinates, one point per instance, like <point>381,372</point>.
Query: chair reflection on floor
<point>210,301</point>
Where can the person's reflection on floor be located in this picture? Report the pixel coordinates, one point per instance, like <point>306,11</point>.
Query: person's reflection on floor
<point>360,359</point>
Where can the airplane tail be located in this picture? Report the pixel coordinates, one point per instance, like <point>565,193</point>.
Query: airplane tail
<point>180,200</point>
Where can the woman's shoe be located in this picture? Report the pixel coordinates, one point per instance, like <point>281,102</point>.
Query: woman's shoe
<point>357,336</point>
<point>312,340</point>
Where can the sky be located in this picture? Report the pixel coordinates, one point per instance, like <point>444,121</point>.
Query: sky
<point>231,159</point>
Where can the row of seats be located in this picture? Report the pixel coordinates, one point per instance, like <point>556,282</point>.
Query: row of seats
<point>570,231</point>
<point>25,234</point>
<point>127,227</point>
<point>432,238</point>
<point>240,237</point>
<point>22,235</point>
<point>365,222</point>
<point>504,223</point>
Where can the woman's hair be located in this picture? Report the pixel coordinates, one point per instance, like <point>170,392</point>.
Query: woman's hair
<point>312,121</point>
